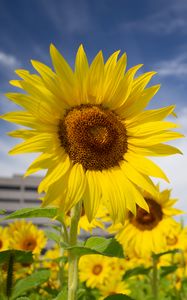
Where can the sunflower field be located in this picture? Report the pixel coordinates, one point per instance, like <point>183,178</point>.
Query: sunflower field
<point>153,266</point>
<point>95,139</point>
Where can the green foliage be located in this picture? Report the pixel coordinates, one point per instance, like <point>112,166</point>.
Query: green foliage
<point>165,270</point>
<point>30,282</point>
<point>99,245</point>
<point>63,295</point>
<point>118,297</point>
<point>33,212</point>
<point>136,271</point>
<point>53,236</point>
<point>19,256</point>
<point>158,255</point>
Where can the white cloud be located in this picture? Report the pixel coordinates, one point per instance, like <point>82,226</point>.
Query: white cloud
<point>169,19</point>
<point>70,17</point>
<point>8,60</point>
<point>176,66</point>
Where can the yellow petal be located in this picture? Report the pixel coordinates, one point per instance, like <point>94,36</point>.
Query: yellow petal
<point>140,180</point>
<point>61,67</point>
<point>43,161</point>
<point>20,117</point>
<point>150,116</point>
<point>55,173</point>
<point>95,80</point>
<point>150,128</point>
<point>145,166</point>
<point>155,139</point>
<point>92,196</point>
<point>38,143</point>
<point>76,186</point>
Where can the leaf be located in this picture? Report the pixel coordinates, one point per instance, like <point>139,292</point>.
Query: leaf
<point>174,251</point>
<point>2,211</point>
<point>23,298</point>
<point>63,295</point>
<point>136,271</point>
<point>19,256</point>
<point>53,236</point>
<point>99,245</point>
<point>33,212</point>
<point>165,270</point>
<point>30,282</point>
<point>118,297</point>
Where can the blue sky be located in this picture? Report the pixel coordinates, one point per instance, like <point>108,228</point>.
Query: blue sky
<point>151,32</point>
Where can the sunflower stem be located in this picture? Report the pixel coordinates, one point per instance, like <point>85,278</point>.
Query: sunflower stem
<point>155,277</point>
<point>73,258</point>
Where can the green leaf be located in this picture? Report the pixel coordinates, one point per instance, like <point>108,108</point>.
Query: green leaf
<point>118,297</point>
<point>53,236</point>
<point>136,271</point>
<point>33,212</point>
<point>165,270</point>
<point>2,211</point>
<point>19,256</point>
<point>99,245</point>
<point>156,256</point>
<point>63,295</point>
<point>30,282</point>
<point>23,298</point>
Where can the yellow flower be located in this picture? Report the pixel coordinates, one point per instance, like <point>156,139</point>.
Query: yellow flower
<point>26,236</point>
<point>146,232</point>
<point>50,263</point>
<point>94,269</point>
<point>92,132</point>
<point>113,287</point>
<point>4,239</point>
<point>176,238</point>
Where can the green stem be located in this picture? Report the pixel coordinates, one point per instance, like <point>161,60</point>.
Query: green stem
<point>155,278</point>
<point>73,258</point>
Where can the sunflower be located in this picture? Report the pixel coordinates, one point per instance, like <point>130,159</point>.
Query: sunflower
<point>146,232</point>
<point>113,287</point>
<point>26,236</point>
<point>176,238</point>
<point>4,239</point>
<point>94,270</point>
<point>92,133</point>
<point>50,262</point>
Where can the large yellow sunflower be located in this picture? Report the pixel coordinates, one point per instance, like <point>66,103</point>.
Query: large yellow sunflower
<point>4,239</point>
<point>91,129</point>
<point>26,236</point>
<point>146,232</point>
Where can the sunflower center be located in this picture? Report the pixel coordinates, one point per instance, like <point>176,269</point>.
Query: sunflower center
<point>93,136</point>
<point>29,244</point>
<point>171,241</point>
<point>97,269</point>
<point>1,244</point>
<point>147,221</point>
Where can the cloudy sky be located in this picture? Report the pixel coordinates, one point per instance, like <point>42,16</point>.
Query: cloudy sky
<point>151,32</point>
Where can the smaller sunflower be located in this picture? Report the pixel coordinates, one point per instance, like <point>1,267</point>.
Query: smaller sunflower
<point>94,270</point>
<point>4,239</point>
<point>177,238</point>
<point>26,236</point>
<point>146,232</point>
<point>113,287</point>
